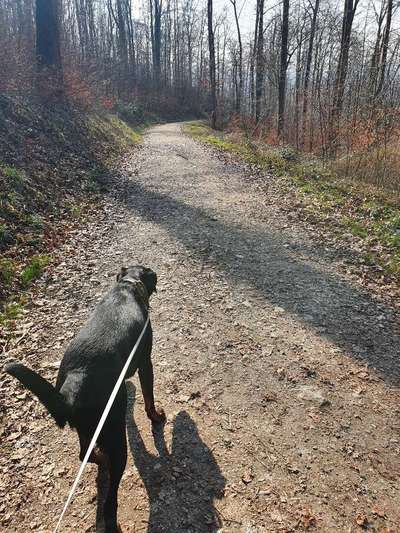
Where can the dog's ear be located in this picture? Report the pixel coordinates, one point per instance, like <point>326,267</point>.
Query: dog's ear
<point>149,278</point>
<point>122,273</point>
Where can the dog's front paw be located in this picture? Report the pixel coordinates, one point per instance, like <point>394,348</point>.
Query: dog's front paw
<point>157,416</point>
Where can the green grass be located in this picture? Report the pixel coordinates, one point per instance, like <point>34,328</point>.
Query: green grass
<point>220,143</point>
<point>7,271</point>
<point>270,159</point>
<point>363,212</point>
<point>342,205</point>
<point>34,269</point>
<point>5,234</point>
<point>76,211</point>
<point>356,228</point>
<point>11,311</point>
<point>36,222</point>
<point>13,173</point>
<point>130,134</point>
<point>112,127</point>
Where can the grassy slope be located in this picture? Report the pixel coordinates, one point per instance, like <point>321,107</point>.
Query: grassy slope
<point>53,163</point>
<point>343,208</point>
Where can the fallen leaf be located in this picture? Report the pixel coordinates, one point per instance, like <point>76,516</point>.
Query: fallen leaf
<point>379,512</point>
<point>362,520</point>
<point>247,477</point>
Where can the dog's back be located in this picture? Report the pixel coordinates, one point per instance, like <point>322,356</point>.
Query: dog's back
<point>95,357</point>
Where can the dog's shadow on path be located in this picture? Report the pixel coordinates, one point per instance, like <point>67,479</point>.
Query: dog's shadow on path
<point>181,484</point>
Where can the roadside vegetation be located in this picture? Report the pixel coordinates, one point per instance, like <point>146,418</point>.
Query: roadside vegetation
<point>341,205</point>
<point>53,165</point>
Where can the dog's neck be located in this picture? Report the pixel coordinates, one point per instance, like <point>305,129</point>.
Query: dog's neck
<point>140,289</point>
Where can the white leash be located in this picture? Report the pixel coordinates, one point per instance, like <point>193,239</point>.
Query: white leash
<point>101,423</point>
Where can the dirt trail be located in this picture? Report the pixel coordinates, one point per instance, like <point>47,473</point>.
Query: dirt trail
<point>264,356</point>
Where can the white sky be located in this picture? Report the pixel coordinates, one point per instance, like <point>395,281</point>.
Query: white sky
<point>246,8</point>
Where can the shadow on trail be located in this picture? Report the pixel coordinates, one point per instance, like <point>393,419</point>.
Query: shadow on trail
<point>181,485</point>
<point>347,315</point>
<point>343,313</point>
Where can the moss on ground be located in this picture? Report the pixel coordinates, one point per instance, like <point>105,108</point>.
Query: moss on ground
<point>11,311</point>
<point>7,271</point>
<point>34,269</point>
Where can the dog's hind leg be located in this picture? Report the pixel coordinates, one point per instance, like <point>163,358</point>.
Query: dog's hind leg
<point>97,456</point>
<point>146,377</point>
<point>113,444</point>
<point>102,483</point>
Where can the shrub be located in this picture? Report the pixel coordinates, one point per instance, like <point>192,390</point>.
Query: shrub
<point>18,177</point>
<point>133,113</point>
<point>10,312</point>
<point>34,269</point>
<point>7,271</point>
<point>6,237</point>
<point>36,222</point>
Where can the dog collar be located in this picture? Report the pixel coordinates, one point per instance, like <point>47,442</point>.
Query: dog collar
<point>140,288</point>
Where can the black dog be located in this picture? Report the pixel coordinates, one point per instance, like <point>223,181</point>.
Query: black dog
<point>89,370</point>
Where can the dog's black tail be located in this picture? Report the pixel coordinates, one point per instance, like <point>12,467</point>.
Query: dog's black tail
<point>45,392</point>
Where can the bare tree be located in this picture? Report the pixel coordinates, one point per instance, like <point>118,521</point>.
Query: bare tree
<point>212,67</point>
<point>240,62</point>
<point>48,34</point>
<point>259,58</point>
<point>156,12</point>
<point>385,47</point>
<point>283,69</point>
<point>179,57</point>
<point>350,7</point>
<point>314,9</point>
<point>48,50</point>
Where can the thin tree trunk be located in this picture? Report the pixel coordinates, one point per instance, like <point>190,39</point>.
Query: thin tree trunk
<point>298,85</point>
<point>157,41</point>
<point>338,94</point>
<point>211,47</point>
<point>283,70</point>
<point>240,63</point>
<point>307,71</point>
<point>259,59</point>
<point>385,47</point>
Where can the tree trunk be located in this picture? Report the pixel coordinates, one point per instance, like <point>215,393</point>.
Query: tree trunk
<point>341,74</point>
<point>385,46</point>
<point>259,59</point>
<point>283,70</point>
<point>298,85</point>
<point>240,62</point>
<point>48,52</point>
<point>211,47</point>
<point>310,51</point>
<point>156,17</point>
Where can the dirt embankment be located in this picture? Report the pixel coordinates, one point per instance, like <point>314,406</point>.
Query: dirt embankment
<point>53,161</point>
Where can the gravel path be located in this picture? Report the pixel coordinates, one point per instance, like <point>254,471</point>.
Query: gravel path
<point>279,375</point>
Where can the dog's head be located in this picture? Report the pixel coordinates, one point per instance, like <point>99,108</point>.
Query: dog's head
<point>147,276</point>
